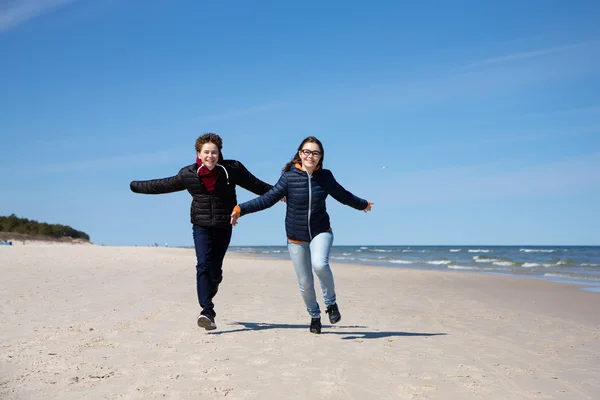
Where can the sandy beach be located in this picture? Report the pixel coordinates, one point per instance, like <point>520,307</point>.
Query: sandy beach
<point>93,322</point>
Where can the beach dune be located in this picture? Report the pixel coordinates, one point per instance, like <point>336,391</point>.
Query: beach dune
<point>120,323</point>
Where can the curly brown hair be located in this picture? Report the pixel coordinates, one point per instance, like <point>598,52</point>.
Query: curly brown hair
<point>209,138</point>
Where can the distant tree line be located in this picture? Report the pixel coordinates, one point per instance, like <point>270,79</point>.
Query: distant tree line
<point>24,226</point>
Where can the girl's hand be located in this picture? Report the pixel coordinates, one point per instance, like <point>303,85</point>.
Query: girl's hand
<point>369,204</point>
<point>234,218</point>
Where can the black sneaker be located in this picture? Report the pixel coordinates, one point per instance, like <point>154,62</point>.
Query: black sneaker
<point>206,322</point>
<point>315,325</point>
<point>334,313</point>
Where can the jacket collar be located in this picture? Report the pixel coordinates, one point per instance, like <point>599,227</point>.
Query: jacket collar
<point>301,168</point>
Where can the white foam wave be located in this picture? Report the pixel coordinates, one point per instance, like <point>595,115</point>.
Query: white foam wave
<point>460,267</point>
<point>364,248</point>
<point>400,262</point>
<point>479,251</point>
<point>382,251</point>
<point>455,250</point>
<point>552,275</point>
<point>439,262</point>
<point>504,263</point>
<point>590,265</point>
<point>537,251</point>
<point>573,277</point>
<point>407,251</point>
<point>485,260</point>
<point>532,265</point>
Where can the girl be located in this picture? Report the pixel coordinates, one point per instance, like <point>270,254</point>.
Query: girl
<point>306,185</point>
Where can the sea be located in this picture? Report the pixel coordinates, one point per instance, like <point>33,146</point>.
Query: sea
<point>569,264</point>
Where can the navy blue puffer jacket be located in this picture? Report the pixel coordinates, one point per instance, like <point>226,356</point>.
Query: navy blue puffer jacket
<point>306,214</point>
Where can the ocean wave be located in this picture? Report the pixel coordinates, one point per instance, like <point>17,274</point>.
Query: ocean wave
<point>501,262</point>
<point>537,251</point>
<point>440,262</point>
<point>483,259</point>
<point>382,251</point>
<point>461,267</point>
<point>504,263</point>
<point>479,251</point>
<point>565,262</point>
<point>400,262</point>
<point>574,277</point>
<point>455,250</point>
<point>533,265</point>
<point>590,265</point>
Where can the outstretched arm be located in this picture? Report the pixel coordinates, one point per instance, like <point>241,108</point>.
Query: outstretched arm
<point>252,183</point>
<point>158,186</point>
<point>277,192</point>
<point>338,192</point>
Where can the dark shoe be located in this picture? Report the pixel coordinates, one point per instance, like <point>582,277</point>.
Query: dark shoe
<point>206,322</point>
<point>315,325</point>
<point>334,313</point>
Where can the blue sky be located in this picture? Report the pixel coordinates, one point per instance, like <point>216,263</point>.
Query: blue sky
<point>487,114</point>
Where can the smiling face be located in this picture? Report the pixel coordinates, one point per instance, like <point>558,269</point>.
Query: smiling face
<point>209,155</point>
<point>208,149</point>
<point>310,155</point>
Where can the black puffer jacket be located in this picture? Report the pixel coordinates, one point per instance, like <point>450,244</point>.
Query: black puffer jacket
<point>306,214</point>
<point>207,209</point>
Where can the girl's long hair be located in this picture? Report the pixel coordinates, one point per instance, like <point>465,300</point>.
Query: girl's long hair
<point>296,159</point>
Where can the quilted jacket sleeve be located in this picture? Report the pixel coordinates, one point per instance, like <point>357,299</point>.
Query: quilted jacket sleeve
<point>343,196</point>
<point>158,186</point>
<point>252,183</point>
<point>267,200</point>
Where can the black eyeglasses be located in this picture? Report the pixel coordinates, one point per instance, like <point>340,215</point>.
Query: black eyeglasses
<point>307,153</point>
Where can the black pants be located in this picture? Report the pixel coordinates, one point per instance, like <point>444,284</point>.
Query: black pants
<point>211,245</point>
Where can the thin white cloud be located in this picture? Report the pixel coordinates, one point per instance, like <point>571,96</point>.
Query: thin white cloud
<point>524,55</point>
<point>243,112</point>
<point>15,12</point>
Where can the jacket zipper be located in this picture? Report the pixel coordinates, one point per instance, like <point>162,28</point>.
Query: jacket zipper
<point>309,203</point>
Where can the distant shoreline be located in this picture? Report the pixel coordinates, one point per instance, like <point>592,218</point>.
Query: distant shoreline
<point>19,237</point>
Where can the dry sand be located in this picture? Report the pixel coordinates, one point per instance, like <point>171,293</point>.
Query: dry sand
<point>92,322</point>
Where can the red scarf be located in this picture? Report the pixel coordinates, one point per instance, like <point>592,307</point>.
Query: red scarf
<point>208,177</point>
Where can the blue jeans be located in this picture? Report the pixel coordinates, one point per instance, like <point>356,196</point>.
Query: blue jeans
<point>211,245</point>
<point>307,257</point>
